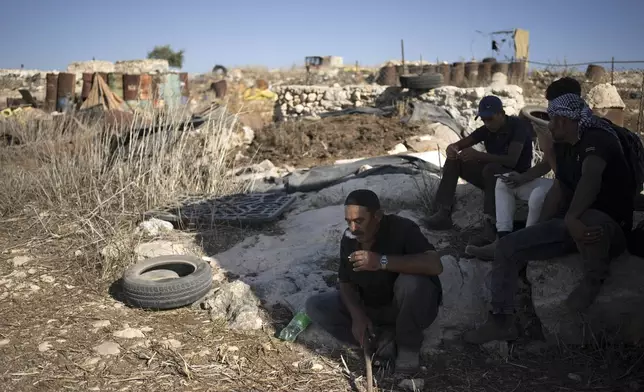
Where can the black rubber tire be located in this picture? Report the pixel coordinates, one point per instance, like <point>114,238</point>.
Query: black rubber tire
<point>170,293</point>
<point>533,114</point>
<point>489,60</point>
<point>426,81</point>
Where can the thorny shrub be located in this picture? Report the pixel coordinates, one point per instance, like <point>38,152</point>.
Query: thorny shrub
<point>78,174</point>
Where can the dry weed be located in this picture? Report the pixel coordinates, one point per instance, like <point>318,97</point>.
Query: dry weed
<point>99,179</point>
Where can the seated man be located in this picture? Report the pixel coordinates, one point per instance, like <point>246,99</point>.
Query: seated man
<point>528,186</point>
<point>594,181</point>
<point>388,277</point>
<point>508,144</point>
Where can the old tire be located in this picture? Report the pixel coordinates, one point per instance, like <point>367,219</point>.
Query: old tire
<point>421,82</point>
<point>537,115</point>
<point>193,283</point>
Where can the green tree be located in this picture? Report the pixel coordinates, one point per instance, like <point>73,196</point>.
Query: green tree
<point>175,59</point>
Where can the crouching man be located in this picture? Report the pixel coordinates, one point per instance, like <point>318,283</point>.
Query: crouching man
<point>595,186</point>
<point>389,285</point>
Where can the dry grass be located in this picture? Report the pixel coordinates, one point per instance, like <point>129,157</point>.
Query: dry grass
<point>90,184</point>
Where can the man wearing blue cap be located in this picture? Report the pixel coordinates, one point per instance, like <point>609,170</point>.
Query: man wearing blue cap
<point>508,145</point>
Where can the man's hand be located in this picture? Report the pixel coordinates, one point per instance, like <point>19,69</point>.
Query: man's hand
<point>470,154</point>
<point>452,151</point>
<point>514,179</point>
<point>582,233</point>
<point>361,324</point>
<point>364,260</point>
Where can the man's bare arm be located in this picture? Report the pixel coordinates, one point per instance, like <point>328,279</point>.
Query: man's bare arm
<point>552,202</point>
<point>428,263</point>
<point>351,300</point>
<point>588,187</point>
<point>508,160</point>
<point>466,142</point>
<point>539,170</point>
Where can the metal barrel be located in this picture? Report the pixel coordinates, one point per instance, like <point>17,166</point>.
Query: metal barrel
<point>87,85</point>
<point>429,68</point>
<point>115,81</point>
<point>444,69</point>
<point>500,67</point>
<point>145,87</point>
<point>158,82</point>
<point>51,92</point>
<point>131,87</point>
<point>457,75</point>
<point>66,84</point>
<point>414,69</point>
<point>171,90</point>
<point>388,76</point>
<point>103,75</point>
<point>472,72</point>
<point>516,72</point>
<point>595,73</point>
<point>485,72</point>
<point>185,86</point>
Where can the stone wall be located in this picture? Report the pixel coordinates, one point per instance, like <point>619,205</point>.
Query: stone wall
<point>294,101</point>
<point>126,67</point>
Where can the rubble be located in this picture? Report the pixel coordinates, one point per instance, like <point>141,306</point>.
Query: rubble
<point>296,101</point>
<point>235,303</point>
<point>604,96</point>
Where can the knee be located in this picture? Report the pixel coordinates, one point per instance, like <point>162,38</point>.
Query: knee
<point>491,169</point>
<point>502,188</point>
<point>595,218</point>
<point>537,198</point>
<point>407,284</point>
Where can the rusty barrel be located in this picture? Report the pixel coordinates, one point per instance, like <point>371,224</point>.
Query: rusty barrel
<point>145,87</point>
<point>414,69</point>
<point>516,72</point>
<point>51,92</point>
<point>87,85</point>
<point>131,87</point>
<point>500,67</point>
<point>595,73</point>
<point>388,76</point>
<point>472,72</point>
<point>485,72</point>
<point>103,76</point>
<point>457,75</point>
<point>115,81</point>
<point>429,68</point>
<point>65,93</point>
<point>220,87</point>
<point>444,69</point>
<point>185,86</point>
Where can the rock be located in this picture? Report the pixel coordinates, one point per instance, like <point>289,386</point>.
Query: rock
<point>171,343</point>
<point>108,348</point>
<point>153,227</point>
<point>101,324</point>
<point>249,135</point>
<point>288,96</point>
<point>312,97</point>
<point>421,143</point>
<point>19,261</point>
<point>618,306</point>
<point>574,377</point>
<point>412,385</point>
<point>604,96</point>
<point>317,367</point>
<point>44,346</point>
<point>129,333</point>
<point>237,304</point>
<point>299,108</point>
<point>398,149</point>
<point>160,248</point>
<point>47,279</point>
<point>90,362</point>
<point>4,342</point>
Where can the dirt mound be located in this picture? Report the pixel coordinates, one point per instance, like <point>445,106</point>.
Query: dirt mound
<point>308,143</point>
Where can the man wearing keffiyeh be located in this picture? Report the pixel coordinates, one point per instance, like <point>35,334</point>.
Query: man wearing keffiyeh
<point>588,209</point>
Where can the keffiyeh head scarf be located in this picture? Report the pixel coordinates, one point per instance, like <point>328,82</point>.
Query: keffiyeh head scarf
<point>572,106</point>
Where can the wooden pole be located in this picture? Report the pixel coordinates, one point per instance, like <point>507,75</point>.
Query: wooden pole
<point>612,69</point>
<point>402,51</point>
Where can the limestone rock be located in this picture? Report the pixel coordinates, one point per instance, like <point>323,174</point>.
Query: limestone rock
<point>153,227</point>
<point>237,304</point>
<point>160,248</point>
<point>129,333</point>
<point>19,261</point>
<point>398,149</point>
<point>108,348</point>
<point>604,96</point>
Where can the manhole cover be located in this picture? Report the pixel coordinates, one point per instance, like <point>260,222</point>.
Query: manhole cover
<point>241,208</point>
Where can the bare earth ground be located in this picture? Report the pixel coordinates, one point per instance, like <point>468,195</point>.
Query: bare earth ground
<point>54,314</point>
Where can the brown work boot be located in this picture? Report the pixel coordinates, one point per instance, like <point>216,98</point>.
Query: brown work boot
<point>407,361</point>
<point>441,220</point>
<point>483,253</point>
<point>487,235</point>
<point>497,327</point>
<point>584,294</point>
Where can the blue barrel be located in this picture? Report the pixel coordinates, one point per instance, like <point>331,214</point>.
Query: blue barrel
<point>170,90</point>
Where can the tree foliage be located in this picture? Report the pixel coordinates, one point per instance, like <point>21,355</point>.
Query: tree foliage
<point>175,59</point>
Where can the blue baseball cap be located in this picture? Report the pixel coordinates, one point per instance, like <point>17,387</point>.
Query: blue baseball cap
<point>489,106</point>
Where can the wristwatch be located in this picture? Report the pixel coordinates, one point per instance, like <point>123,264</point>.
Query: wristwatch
<point>383,262</point>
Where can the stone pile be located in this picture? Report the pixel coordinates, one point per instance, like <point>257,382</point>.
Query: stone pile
<point>294,101</point>
<point>462,103</point>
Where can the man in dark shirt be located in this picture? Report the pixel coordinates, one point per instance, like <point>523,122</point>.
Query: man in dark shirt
<point>589,208</point>
<point>388,281</point>
<point>508,143</point>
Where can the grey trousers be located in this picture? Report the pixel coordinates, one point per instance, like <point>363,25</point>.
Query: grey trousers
<point>544,241</point>
<point>415,306</point>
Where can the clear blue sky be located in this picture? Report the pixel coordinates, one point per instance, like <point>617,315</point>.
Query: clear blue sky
<point>49,34</point>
